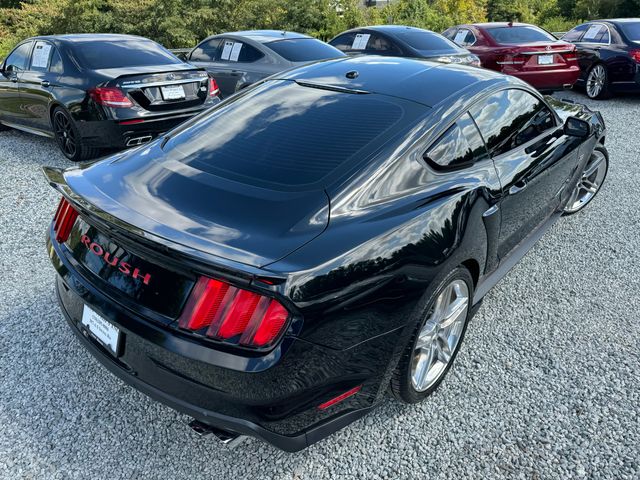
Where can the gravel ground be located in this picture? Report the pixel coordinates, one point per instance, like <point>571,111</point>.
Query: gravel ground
<point>546,386</point>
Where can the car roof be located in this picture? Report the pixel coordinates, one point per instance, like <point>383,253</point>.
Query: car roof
<point>90,37</point>
<point>265,36</point>
<point>420,81</point>
<point>501,24</point>
<point>391,28</point>
<point>616,20</point>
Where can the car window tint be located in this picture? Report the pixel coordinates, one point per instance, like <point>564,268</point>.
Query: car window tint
<point>575,34</point>
<point>304,49</point>
<point>460,145</point>
<point>519,34</point>
<point>378,44</point>
<point>596,33</point>
<point>19,58</point>
<point>423,40</point>
<point>450,33</point>
<point>206,51</point>
<point>41,56</point>
<point>344,41</point>
<point>238,52</point>
<point>132,52</point>
<point>631,30</point>
<point>56,62</point>
<point>511,118</point>
<point>290,135</point>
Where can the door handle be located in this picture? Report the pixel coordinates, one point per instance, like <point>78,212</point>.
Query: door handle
<point>45,83</point>
<point>518,187</point>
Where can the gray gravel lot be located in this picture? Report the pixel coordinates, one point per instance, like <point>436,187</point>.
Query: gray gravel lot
<point>547,384</point>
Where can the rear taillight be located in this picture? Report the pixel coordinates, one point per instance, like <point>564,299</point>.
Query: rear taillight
<point>213,87</point>
<point>110,97</point>
<point>224,312</point>
<point>63,220</point>
<point>635,55</point>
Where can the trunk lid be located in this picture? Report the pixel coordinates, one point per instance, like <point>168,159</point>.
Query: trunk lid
<point>540,56</point>
<point>157,90</point>
<point>242,223</point>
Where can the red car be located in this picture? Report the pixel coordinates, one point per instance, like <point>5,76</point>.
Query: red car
<point>522,50</point>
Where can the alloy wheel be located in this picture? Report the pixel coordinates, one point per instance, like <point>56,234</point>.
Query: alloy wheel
<point>439,337</point>
<point>596,81</point>
<point>65,134</point>
<point>590,182</point>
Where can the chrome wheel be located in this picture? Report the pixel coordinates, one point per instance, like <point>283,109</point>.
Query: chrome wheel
<point>439,337</point>
<point>65,134</point>
<point>589,183</point>
<point>596,81</point>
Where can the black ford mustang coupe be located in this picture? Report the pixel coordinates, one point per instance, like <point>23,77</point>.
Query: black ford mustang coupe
<point>97,91</point>
<point>273,265</point>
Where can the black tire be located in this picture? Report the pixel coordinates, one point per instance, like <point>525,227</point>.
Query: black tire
<point>3,127</point>
<point>605,91</point>
<point>69,138</point>
<point>401,385</point>
<point>603,150</point>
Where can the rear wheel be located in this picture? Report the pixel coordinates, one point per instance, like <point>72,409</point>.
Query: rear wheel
<point>590,182</point>
<point>436,340</point>
<point>597,86</point>
<point>69,139</point>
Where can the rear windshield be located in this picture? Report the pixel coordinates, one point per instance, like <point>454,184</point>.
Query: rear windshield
<point>285,134</point>
<point>304,49</point>
<point>426,40</point>
<point>96,55</point>
<point>520,34</point>
<point>631,30</point>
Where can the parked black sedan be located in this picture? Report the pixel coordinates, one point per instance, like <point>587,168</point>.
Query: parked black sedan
<point>402,41</point>
<point>239,59</point>
<point>272,266</point>
<point>609,56</point>
<point>92,92</point>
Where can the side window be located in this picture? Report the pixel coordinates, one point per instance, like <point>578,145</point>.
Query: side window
<point>575,34</point>
<point>450,33</point>
<point>56,62</point>
<point>382,46</point>
<point>41,56</point>
<point>596,33</point>
<point>344,42</point>
<point>233,51</point>
<point>464,37</point>
<point>511,118</point>
<point>460,145</point>
<point>206,51</point>
<point>19,58</point>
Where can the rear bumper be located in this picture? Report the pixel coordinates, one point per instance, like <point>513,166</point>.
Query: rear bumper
<point>550,79</point>
<point>278,404</point>
<point>118,135</point>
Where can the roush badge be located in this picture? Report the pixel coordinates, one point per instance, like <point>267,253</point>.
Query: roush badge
<point>114,261</point>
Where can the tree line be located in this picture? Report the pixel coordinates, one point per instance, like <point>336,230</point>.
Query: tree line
<point>182,23</point>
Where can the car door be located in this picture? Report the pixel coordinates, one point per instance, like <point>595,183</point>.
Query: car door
<point>596,37</point>
<point>12,69</point>
<point>37,84</point>
<point>534,160</point>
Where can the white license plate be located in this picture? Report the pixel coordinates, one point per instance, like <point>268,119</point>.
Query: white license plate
<point>545,59</point>
<point>172,92</point>
<point>102,330</point>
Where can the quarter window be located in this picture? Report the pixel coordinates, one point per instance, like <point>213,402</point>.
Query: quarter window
<point>19,58</point>
<point>233,51</point>
<point>459,146</point>
<point>511,118</point>
<point>381,45</point>
<point>206,51</point>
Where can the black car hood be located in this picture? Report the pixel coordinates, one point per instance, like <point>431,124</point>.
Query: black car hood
<point>238,222</point>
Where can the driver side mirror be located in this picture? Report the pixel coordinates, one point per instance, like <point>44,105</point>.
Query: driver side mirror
<point>576,127</point>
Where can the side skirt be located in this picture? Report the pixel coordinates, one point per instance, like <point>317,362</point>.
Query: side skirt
<point>33,131</point>
<point>487,282</point>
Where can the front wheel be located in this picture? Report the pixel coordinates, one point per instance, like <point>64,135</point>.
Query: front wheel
<point>590,182</point>
<point>437,338</point>
<point>69,139</point>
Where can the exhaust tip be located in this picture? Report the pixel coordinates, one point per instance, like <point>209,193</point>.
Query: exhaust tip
<point>567,86</point>
<point>226,437</point>
<point>134,142</point>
